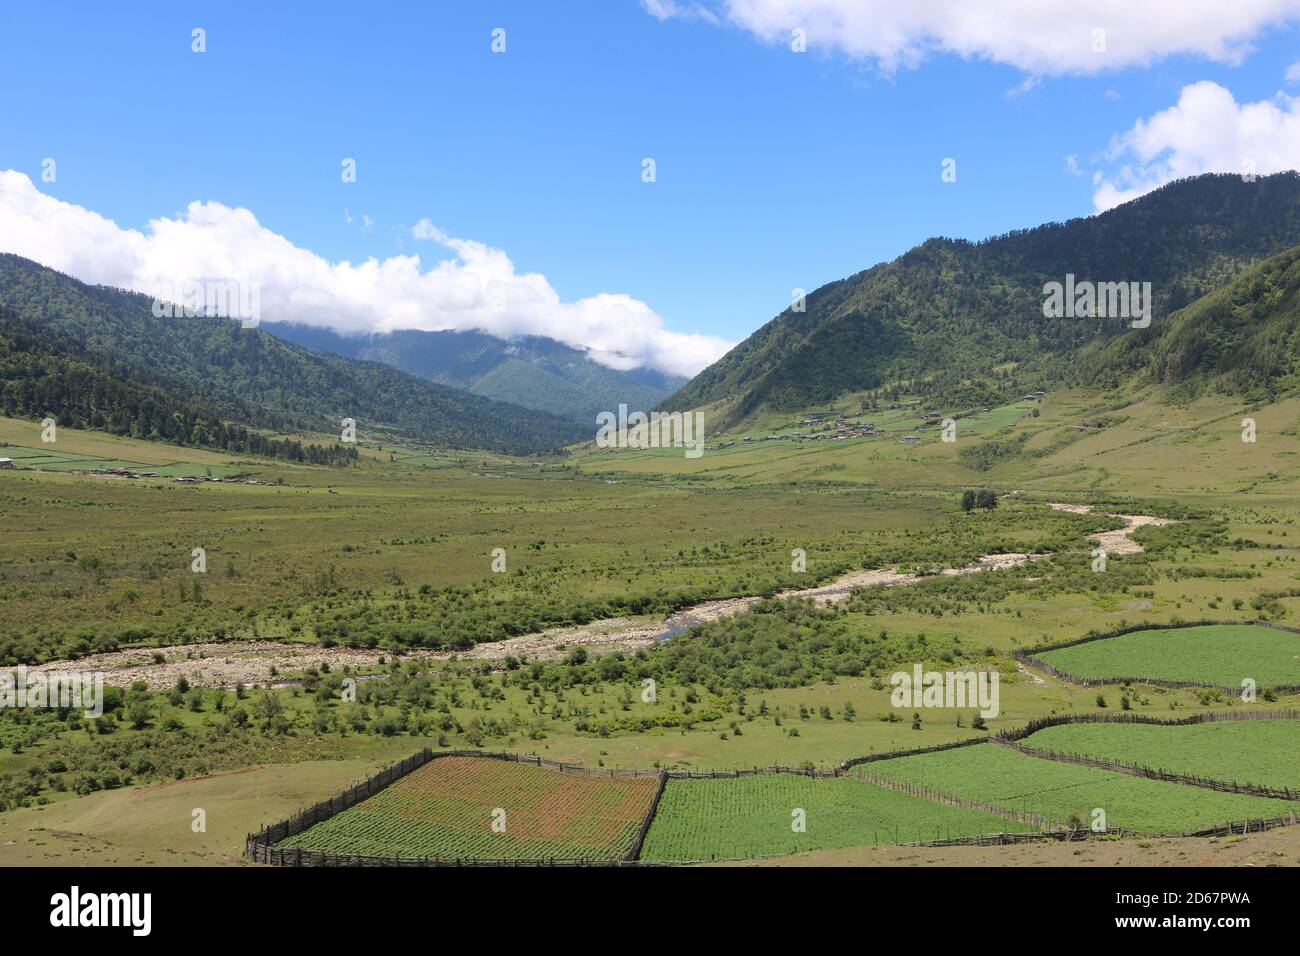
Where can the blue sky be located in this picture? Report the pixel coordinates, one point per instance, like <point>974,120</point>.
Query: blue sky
<point>773,169</point>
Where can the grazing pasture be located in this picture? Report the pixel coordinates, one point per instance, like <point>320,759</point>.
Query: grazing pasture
<point>448,807</point>
<point>1265,753</point>
<point>1214,654</point>
<point>1059,791</point>
<point>741,817</point>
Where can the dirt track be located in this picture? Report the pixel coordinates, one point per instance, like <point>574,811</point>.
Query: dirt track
<point>1280,847</point>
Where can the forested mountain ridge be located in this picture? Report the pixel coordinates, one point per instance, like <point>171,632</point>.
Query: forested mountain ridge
<point>532,371</point>
<point>275,384</point>
<point>45,374</point>
<point>953,309</point>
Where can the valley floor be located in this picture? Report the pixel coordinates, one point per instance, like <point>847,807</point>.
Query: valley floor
<point>386,570</point>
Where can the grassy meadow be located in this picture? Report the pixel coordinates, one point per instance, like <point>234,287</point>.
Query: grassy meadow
<point>396,555</point>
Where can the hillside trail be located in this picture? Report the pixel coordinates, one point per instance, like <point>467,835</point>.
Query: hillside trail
<point>256,663</point>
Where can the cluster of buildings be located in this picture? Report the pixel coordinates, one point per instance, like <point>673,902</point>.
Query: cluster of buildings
<point>823,428</point>
<point>198,479</point>
<point>122,473</point>
<point>128,473</point>
<point>842,428</point>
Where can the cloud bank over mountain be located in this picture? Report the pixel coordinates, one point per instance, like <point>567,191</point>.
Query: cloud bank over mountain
<point>477,287</point>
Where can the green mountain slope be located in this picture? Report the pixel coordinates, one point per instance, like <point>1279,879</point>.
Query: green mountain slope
<point>951,310</point>
<point>532,371</point>
<point>278,384</point>
<point>1243,339</point>
<point>44,374</point>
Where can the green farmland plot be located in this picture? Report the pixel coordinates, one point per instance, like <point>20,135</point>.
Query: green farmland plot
<point>52,458</point>
<point>20,454</point>
<point>1057,790</point>
<point>736,818</point>
<point>48,458</point>
<point>1265,753</point>
<point>1002,416</point>
<point>1213,654</point>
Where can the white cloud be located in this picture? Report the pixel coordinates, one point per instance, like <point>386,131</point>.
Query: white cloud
<point>1207,130</point>
<point>1043,37</point>
<point>1027,85</point>
<point>478,288</point>
<point>1293,72</point>
<point>668,9</point>
<point>425,229</point>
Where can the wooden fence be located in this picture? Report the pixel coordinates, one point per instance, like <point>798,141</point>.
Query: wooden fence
<point>892,755</point>
<point>927,793</point>
<point>1206,717</point>
<point>635,853</point>
<point>259,845</point>
<point>1002,839</point>
<point>750,772</point>
<point>549,764</point>
<point>1246,826</point>
<point>297,856</point>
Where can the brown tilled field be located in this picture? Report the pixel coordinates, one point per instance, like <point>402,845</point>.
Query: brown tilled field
<point>449,806</point>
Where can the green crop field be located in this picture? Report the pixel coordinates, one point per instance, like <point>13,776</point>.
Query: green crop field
<point>1220,654</point>
<point>1259,752</point>
<point>1003,416</point>
<point>736,818</point>
<point>478,808</point>
<point>1057,791</point>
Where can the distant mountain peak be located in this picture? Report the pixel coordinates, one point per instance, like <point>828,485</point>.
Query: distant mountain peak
<point>530,370</point>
